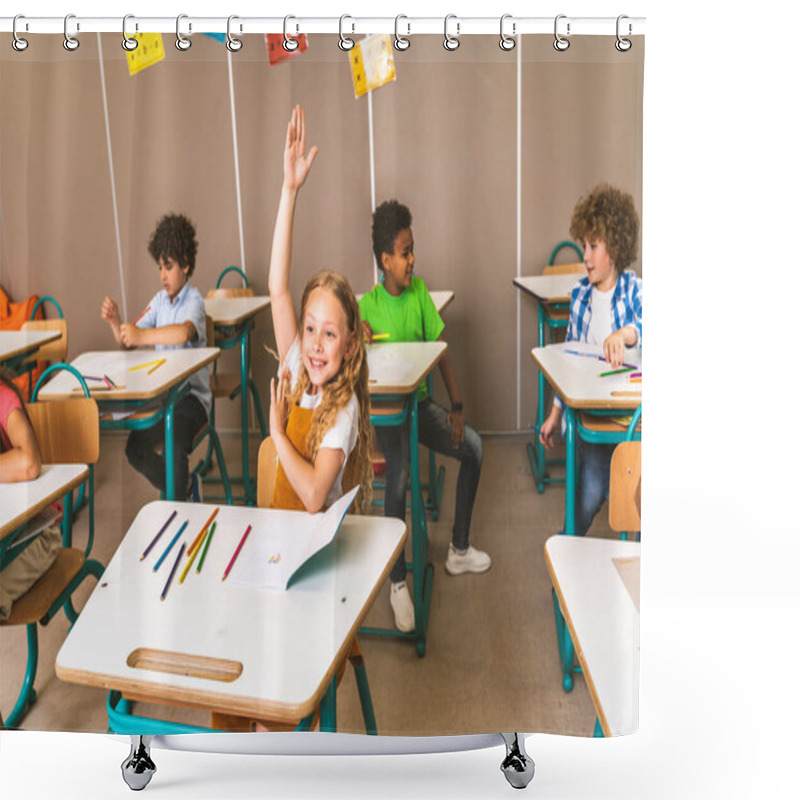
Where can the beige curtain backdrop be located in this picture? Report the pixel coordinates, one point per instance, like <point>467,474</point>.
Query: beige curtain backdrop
<point>445,143</point>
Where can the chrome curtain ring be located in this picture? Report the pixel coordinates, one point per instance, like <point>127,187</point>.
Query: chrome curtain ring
<point>70,42</point>
<point>290,44</point>
<point>451,42</point>
<point>18,43</point>
<point>129,44</point>
<point>506,42</point>
<point>181,42</point>
<point>560,43</point>
<point>344,42</point>
<point>623,45</point>
<point>401,42</point>
<point>233,44</point>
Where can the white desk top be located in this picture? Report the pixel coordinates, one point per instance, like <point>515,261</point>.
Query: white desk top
<point>288,643</point>
<point>179,364</point>
<point>24,500</point>
<point>234,310</point>
<point>400,367</point>
<point>577,381</point>
<point>441,298</point>
<point>549,288</point>
<point>15,343</point>
<point>603,622</point>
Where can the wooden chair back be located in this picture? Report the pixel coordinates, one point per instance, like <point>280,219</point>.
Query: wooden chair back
<point>624,493</point>
<point>68,431</point>
<point>267,470</point>
<point>564,269</point>
<point>210,333</point>
<point>237,291</point>
<point>51,352</point>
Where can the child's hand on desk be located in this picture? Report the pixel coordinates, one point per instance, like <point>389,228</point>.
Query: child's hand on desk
<point>614,348</point>
<point>129,335</point>
<point>455,419</point>
<point>296,165</point>
<point>368,332</point>
<point>278,413</point>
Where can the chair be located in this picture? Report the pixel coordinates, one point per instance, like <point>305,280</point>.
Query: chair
<point>53,352</point>
<point>68,432</point>
<point>624,492</point>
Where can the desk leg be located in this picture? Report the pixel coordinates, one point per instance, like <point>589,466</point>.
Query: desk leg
<point>138,768</point>
<point>536,453</point>
<point>327,708</point>
<point>571,472</point>
<point>169,448</point>
<point>248,495</point>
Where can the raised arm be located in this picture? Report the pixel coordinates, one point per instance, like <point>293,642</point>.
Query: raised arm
<point>296,166</point>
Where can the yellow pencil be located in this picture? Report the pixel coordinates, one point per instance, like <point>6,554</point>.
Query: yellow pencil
<point>191,559</point>
<point>148,364</point>
<point>157,365</point>
<point>378,336</point>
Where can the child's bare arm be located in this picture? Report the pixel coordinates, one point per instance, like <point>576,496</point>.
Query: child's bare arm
<point>177,335</point>
<point>615,344</point>
<point>550,426</point>
<point>296,166</point>
<point>22,462</point>
<point>456,416</point>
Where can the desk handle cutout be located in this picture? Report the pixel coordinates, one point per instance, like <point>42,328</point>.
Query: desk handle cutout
<point>214,669</point>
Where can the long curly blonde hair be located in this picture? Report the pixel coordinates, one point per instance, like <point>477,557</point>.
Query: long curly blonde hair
<point>352,377</point>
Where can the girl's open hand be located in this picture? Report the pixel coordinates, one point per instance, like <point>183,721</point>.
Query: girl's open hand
<point>278,414</point>
<point>296,164</point>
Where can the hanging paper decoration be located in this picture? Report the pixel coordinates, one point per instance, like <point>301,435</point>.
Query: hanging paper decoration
<point>372,63</point>
<point>219,37</point>
<point>277,52</point>
<point>149,51</point>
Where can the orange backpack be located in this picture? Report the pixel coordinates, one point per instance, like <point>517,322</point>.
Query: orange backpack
<point>12,315</point>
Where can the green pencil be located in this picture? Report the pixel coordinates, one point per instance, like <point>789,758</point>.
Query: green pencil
<point>617,371</point>
<point>205,546</point>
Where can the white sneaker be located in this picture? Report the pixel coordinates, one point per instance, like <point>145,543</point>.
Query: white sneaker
<point>403,607</point>
<point>470,560</point>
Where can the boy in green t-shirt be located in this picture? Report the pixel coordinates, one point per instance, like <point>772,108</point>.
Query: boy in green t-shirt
<point>401,309</point>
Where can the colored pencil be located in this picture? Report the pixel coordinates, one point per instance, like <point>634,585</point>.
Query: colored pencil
<point>202,531</point>
<point>146,364</point>
<point>109,381</point>
<point>594,355</point>
<point>158,535</point>
<point>233,560</point>
<point>170,545</point>
<point>636,375</point>
<point>141,315</point>
<point>172,571</point>
<point>91,378</point>
<point>205,546</point>
<point>378,336</point>
<point>156,365</point>
<point>616,371</point>
<point>188,565</point>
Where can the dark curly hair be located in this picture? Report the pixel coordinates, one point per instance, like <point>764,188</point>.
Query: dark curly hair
<point>608,214</point>
<point>388,220</point>
<point>174,237</point>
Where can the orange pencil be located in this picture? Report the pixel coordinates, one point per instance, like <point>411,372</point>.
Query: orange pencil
<point>140,315</point>
<point>202,531</point>
<point>233,560</point>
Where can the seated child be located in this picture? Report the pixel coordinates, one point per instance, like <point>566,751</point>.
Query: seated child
<point>20,461</point>
<point>176,317</point>
<point>401,307</point>
<point>319,410</point>
<point>605,309</point>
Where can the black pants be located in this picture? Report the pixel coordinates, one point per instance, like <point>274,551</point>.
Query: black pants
<point>188,418</point>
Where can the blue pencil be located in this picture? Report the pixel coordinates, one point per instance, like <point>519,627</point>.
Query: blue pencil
<point>172,571</point>
<point>593,355</point>
<point>158,535</point>
<point>170,545</point>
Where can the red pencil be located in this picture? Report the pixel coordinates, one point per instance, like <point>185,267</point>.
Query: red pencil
<point>202,531</point>
<point>140,315</point>
<point>233,560</point>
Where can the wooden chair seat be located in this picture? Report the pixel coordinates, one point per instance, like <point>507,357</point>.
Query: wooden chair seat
<point>387,408</point>
<point>594,422</point>
<point>38,600</point>
<point>224,384</point>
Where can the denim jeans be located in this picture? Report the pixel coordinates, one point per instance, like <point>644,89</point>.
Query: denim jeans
<point>434,433</point>
<point>594,472</point>
<point>188,418</point>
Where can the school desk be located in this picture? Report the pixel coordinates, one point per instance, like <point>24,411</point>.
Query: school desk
<point>234,320</point>
<point>150,393</point>
<point>552,294</point>
<point>597,584</point>
<point>441,298</point>
<point>219,645</point>
<point>577,381</point>
<point>17,347</point>
<point>396,370</point>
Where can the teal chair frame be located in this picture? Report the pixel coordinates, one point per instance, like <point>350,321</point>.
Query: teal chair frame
<point>27,695</point>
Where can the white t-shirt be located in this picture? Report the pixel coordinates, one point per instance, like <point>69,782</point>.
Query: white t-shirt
<point>600,326</point>
<point>342,434</point>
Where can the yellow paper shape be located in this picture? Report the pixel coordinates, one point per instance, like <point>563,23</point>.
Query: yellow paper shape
<point>372,63</point>
<point>149,51</point>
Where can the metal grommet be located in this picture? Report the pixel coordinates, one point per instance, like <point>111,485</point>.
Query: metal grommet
<point>623,45</point>
<point>181,42</point>
<point>71,43</point>
<point>18,43</point>
<point>233,44</point>
<point>506,42</point>
<point>290,44</point>
<point>560,43</point>
<point>344,42</point>
<point>451,42</point>
<point>401,42</point>
<point>129,44</point>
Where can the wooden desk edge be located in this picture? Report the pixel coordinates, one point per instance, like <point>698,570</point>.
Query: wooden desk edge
<point>244,706</point>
